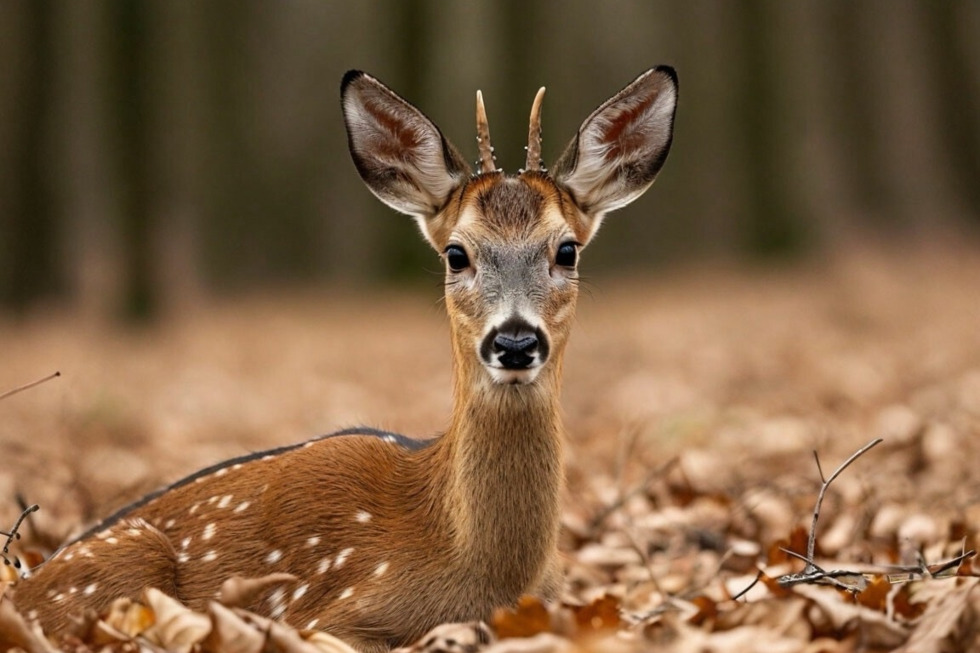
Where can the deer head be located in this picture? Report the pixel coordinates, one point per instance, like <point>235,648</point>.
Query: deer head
<point>510,244</point>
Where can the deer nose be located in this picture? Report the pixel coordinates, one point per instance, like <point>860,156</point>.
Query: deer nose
<point>515,353</point>
<point>515,345</point>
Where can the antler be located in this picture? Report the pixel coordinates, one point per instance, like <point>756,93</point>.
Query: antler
<point>486,162</point>
<point>534,161</point>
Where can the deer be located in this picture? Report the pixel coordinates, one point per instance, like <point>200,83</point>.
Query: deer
<point>388,536</point>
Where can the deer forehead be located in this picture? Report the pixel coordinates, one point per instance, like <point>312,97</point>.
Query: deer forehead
<point>512,214</point>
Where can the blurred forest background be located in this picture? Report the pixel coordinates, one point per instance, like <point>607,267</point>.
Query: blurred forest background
<point>154,153</point>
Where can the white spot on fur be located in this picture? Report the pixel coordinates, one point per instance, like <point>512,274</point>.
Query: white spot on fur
<point>184,543</point>
<point>59,597</point>
<point>183,557</point>
<point>277,603</point>
<point>381,569</point>
<point>323,566</point>
<point>212,500</point>
<point>225,501</point>
<point>194,508</point>
<point>243,506</point>
<point>210,556</point>
<point>313,541</point>
<point>300,591</point>
<point>236,466</point>
<point>342,558</point>
<point>170,523</point>
<point>104,534</point>
<point>309,444</point>
<point>134,532</point>
<point>221,472</point>
<point>346,594</point>
<point>72,590</point>
<point>69,555</point>
<point>111,540</point>
<point>363,516</point>
<point>312,624</point>
<point>90,589</point>
<point>209,531</point>
<point>32,615</point>
<point>274,556</point>
<point>269,457</point>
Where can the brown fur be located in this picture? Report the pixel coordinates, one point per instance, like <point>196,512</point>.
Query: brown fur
<point>386,542</point>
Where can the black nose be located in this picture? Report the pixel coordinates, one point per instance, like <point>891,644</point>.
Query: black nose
<point>514,345</point>
<point>516,353</point>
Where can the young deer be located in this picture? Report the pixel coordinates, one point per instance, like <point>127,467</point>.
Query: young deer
<point>389,536</point>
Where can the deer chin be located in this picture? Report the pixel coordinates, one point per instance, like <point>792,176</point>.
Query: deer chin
<point>504,376</point>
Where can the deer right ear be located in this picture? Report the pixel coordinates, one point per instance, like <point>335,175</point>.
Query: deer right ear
<point>400,154</point>
<point>621,147</point>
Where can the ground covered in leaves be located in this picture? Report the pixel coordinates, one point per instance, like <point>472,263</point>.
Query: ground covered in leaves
<point>693,400</point>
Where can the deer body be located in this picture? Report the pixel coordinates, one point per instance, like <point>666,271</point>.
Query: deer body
<point>387,537</point>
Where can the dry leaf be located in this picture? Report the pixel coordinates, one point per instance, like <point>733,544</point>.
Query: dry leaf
<point>453,638</point>
<point>530,617</point>
<point>942,626</point>
<point>15,632</point>
<point>707,610</point>
<point>327,643</point>
<point>127,619</point>
<point>877,630</point>
<point>177,627</point>
<point>540,643</point>
<point>230,634</point>
<point>239,592</point>
<point>289,640</point>
<point>600,614</point>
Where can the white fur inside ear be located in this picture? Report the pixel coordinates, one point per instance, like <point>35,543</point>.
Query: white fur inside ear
<point>622,145</point>
<point>398,151</point>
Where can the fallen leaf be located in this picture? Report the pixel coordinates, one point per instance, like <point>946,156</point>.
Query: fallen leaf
<point>528,618</point>
<point>230,634</point>
<point>240,592</point>
<point>465,637</point>
<point>942,623</point>
<point>600,614</point>
<point>177,627</point>
<point>15,632</point>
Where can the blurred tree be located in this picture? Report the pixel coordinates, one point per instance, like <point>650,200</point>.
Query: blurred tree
<point>30,244</point>
<point>155,151</point>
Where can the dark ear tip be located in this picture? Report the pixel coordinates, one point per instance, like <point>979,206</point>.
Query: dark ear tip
<point>669,72</point>
<point>349,77</point>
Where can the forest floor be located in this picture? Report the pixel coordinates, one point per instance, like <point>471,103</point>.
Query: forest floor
<point>693,401</point>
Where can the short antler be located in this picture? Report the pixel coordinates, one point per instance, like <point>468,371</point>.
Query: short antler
<point>534,161</point>
<point>486,162</point>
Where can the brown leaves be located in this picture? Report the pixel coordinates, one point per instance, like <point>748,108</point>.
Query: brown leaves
<point>159,622</point>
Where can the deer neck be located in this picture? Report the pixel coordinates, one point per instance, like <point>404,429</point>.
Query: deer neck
<point>504,450</point>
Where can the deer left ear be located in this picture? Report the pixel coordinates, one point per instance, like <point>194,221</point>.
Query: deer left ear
<point>401,155</point>
<point>621,147</point>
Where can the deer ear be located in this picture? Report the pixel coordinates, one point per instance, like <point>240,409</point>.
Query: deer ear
<point>400,154</point>
<point>621,147</point>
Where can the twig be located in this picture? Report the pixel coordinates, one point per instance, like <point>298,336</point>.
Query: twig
<point>812,539</point>
<point>28,386</point>
<point>15,535</point>
<point>755,582</point>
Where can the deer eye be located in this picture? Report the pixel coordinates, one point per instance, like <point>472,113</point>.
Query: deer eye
<point>456,258</point>
<point>567,255</point>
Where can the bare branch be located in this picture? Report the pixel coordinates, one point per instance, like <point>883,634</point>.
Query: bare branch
<point>28,386</point>
<point>812,539</point>
<point>14,534</point>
